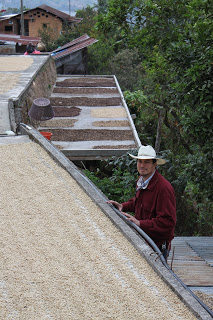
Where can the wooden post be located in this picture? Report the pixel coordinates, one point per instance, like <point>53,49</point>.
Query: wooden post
<point>22,19</point>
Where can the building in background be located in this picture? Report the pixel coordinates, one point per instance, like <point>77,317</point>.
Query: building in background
<point>36,19</point>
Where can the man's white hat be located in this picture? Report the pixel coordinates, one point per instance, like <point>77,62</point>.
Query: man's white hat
<point>148,152</point>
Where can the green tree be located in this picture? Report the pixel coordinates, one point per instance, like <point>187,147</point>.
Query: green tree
<point>174,41</point>
<point>10,10</point>
<point>88,16</point>
<point>100,55</point>
<point>48,37</point>
<point>126,64</point>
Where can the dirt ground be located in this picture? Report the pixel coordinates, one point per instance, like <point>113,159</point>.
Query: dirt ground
<point>67,111</point>
<point>81,90</point>
<point>61,257</point>
<point>85,82</point>
<point>127,147</point>
<point>58,123</point>
<point>9,64</point>
<point>90,135</point>
<point>207,299</point>
<point>109,112</point>
<point>82,101</point>
<point>8,81</point>
<point>111,123</point>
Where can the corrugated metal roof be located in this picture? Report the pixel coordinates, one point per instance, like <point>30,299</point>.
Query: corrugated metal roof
<point>7,16</point>
<point>72,43</point>
<point>24,40</point>
<point>73,46</point>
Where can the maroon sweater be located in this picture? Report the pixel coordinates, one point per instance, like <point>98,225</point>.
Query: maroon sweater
<point>155,208</point>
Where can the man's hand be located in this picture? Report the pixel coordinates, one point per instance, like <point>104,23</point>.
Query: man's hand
<point>131,218</point>
<point>116,204</point>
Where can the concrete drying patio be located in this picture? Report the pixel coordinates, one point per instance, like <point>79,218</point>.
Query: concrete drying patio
<point>60,242</point>
<point>92,120</point>
<point>65,253</point>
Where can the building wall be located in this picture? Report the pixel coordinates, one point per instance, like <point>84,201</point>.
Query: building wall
<point>39,18</point>
<point>7,26</point>
<point>75,63</point>
<point>34,20</point>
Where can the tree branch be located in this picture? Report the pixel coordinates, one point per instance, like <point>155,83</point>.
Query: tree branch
<point>172,128</point>
<point>177,133</point>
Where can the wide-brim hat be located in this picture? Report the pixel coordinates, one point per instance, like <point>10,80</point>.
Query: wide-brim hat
<point>148,152</point>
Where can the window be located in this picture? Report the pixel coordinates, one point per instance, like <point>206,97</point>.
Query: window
<point>44,25</point>
<point>8,28</point>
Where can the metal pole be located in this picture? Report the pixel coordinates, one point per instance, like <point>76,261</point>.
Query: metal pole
<point>69,8</point>
<point>22,19</point>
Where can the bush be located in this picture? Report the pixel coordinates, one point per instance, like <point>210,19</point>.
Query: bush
<point>126,65</point>
<point>115,177</point>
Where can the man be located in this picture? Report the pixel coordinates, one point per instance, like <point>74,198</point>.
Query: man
<point>30,49</point>
<point>154,203</point>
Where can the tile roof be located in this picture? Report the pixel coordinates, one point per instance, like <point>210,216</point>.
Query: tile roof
<point>55,12</point>
<point>60,14</point>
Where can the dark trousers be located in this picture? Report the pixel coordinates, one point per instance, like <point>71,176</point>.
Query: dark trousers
<point>165,254</point>
<point>165,250</point>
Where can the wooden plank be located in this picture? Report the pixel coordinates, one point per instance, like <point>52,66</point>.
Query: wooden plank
<point>192,260</point>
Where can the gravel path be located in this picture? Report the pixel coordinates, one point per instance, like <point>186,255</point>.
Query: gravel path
<point>61,257</point>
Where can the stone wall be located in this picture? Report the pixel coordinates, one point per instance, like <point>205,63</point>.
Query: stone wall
<point>41,86</point>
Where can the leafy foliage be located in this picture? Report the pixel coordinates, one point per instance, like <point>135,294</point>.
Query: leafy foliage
<point>116,178</point>
<point>48,37</point>
<point>174,42</point>
<point>99,56</point>
<point>10,10</point>
<point>126,65</point>
<point>88,15</point>
<point>162,53</point>
<point>145,116</point>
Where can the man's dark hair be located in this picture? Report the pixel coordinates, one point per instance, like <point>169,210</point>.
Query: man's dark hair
<point>30,48</point>
<point>154,160</point>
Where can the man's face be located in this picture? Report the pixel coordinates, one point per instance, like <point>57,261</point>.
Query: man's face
<point>146,168</point>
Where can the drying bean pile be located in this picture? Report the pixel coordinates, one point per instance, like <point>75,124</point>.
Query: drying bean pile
<point>9,77</point>
<point>61,257</point>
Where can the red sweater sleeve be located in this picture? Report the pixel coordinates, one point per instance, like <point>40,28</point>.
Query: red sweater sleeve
<point>129,206</point>
<point>162,225</point>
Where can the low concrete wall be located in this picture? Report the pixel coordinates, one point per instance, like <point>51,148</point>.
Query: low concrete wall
<point>7,49</point>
